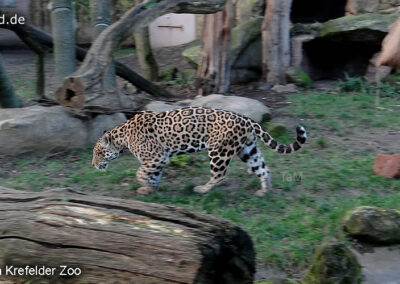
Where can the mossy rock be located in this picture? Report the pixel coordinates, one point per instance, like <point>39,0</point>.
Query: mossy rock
<point>305,29</point>
<point>193,56</point>
<point>299,77</point>
<point>369,22</point>
<point>189,75</point>
<point>170,73</point>
<point>374,225</point>
<point>333,263</point>
<point>362,27</point>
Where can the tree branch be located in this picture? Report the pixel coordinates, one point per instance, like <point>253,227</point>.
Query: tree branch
<point>39,41</point>
<point>100,54</point>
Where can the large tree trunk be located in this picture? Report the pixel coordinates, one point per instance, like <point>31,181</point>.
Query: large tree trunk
<point>215,69</point>
<point>8,97</point>
<point>119,241</point>
<point>39,41</point>
<point>63,31</point>
<point>276,40</point>
<point>77,88</point>
<point>101,19</point>
<point>147,62</point>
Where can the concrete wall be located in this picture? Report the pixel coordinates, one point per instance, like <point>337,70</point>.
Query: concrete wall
<point>173,29</point>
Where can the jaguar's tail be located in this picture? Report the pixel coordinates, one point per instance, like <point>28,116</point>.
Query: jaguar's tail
<point>278,147</point>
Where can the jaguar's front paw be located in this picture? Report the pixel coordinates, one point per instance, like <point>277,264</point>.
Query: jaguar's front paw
<point>144,190</point>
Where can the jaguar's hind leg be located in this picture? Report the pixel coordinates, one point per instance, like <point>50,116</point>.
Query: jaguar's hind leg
<point>218,166</point>
<point>251,155</point>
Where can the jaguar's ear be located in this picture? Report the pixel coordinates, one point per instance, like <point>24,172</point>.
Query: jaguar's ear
<point>105,140</point>
<point>104,131</point>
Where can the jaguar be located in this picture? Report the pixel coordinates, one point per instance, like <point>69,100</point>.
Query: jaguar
<point>154,138</point>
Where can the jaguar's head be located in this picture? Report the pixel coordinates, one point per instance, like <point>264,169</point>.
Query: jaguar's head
<point>104,151</point>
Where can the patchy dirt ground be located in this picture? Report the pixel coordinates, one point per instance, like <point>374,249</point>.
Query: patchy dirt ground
<point>324,182</point>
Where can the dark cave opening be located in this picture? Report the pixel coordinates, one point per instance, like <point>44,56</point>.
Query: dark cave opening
<point>330,59</point>
<point>310,11</point>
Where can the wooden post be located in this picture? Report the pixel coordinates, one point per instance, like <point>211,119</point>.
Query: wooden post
<point>276,40</point>
<point>64,38</point>
<point>214,71</point>
<point>101,19</point>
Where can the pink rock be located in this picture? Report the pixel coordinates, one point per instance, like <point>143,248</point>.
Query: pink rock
<point>387,165</point>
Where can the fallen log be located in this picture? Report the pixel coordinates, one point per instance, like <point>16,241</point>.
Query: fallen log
<point>111,240</point>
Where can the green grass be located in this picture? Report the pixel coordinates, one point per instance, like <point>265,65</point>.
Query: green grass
<point>25,88</point>
<point>341,112</point>
<point>313,189</point>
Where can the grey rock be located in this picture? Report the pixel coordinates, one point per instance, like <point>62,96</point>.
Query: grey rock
<point>374,225</point>
<point>40,129</point>
<point>333,263</point>
<point>289,88</point>
<point>376,72</point>
<point>160,106</point>
<point>100,123</point>
<point>241,105</point>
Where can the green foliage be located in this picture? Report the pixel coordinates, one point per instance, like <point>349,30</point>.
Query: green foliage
<point>321,142</point>
<point>358,84</point>
<point>299,77</point>
<point>180,161</point>
<point>169,74</point>
<point>352,84</point>
<point>150,4</point>
<point>393,78</point>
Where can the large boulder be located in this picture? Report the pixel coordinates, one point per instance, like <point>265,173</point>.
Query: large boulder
<point>40,129</point>
<point>374,225</point>
<point>46,129</point>
<point>333,263</point>
<point>193,56</point>
<point>241,105</point>
<point>100,123</point>
<point>366,27</point>
<point>245,106</point>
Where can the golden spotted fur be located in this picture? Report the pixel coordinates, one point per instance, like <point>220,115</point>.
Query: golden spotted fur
<point>156,137</point>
